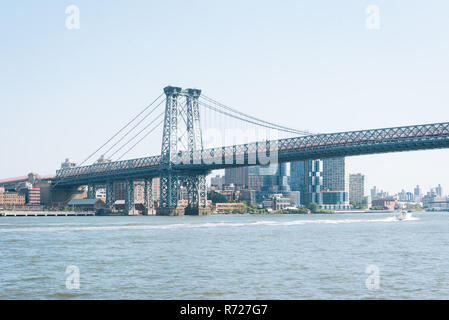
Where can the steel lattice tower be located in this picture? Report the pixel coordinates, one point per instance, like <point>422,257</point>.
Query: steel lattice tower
<point>181,138</point>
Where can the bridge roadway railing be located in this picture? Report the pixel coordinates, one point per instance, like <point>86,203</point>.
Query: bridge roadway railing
<point>428,136</point>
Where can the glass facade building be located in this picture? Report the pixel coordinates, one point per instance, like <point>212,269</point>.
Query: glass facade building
<point>324,182</point>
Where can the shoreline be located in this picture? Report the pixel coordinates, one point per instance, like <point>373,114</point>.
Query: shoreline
<point>44,213</point>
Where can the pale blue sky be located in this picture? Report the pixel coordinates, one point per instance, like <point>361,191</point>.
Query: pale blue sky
<point>305,64</point>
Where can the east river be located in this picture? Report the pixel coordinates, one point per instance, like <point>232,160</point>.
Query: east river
<point>340,256</point>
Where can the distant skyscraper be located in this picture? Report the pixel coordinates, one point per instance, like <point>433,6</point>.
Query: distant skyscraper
<point>374,192</point>
<point>356,188</point>
<point>237,176</point>
<point>417,192</point>
<point>439,191</point>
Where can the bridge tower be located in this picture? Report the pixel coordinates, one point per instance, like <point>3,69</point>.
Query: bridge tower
<point>181,140</point>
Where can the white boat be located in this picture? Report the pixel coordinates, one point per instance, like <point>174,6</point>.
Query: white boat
<point>403,214</point>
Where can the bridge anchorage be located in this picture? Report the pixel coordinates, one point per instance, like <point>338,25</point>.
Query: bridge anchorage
<point>181,137</point>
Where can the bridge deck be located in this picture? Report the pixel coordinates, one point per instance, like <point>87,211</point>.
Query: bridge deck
<point>406,138</point>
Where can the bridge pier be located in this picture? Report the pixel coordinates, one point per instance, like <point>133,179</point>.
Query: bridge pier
<point>170,193</point>
<point>148,197</point>
<point>110,195</point>
<point>91,191</point>
<point>129,208</point>
<point>169,184</point>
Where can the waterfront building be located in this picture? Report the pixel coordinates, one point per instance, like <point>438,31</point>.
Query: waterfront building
<point>385,204</point>
<point>34,196</point>
<point>280,202</point>
<point>438,205</point>
<point>357,188</point>
<point>9,199</point>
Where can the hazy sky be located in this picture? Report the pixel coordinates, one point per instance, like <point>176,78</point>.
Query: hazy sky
<point>304,64</point>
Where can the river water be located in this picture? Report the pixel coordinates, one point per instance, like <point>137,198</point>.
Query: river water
<point>341,256</point>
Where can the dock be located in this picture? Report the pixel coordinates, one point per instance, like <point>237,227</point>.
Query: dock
<point>44,214</point>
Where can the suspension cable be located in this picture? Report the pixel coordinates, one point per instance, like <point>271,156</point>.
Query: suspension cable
<point>276,126</point>
<point>123,128</point>
<point>137,134</point>
<point>130,130</point>
<point>243,119</point>
<point>146,135</point>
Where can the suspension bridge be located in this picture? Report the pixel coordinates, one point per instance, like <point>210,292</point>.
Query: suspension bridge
<point>186,158</point>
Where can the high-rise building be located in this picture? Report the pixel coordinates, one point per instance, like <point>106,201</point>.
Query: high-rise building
<point>357,188</point>
<point>237,176</point>
<point>335,183</point>
<point>324,182</point>
<point>297,176</point>
<point>313,182</point>
<point>306,177</point>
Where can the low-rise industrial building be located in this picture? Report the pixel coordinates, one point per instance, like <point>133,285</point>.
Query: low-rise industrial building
<point>86,204</point>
